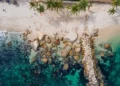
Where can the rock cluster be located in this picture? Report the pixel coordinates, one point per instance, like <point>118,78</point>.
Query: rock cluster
<point>69,52</point>
<point>106,52</point>
<point>52,48</point>
<point>91,70</point>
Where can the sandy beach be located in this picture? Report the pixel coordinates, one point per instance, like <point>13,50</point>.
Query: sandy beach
<point>21,18</point>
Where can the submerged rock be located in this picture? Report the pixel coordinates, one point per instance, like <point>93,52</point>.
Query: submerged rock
<point>49,53</point>
<point>32,60</point>
<point>65,66</point>
<point>76,58</point>
<point>60,59</point>
<point>25,34</point>
<point>47,39</point>
<point>57,42</point>
<point>44,59</point>
<point>102,54</point>
<point>40,35</point>
<point>45,46</point>
<point>66,50</point>
<point>35,45</point>
<point>32,57</point>
<point>109,53</point>
<point>107,46</point>
<point>42,42</point>
<point>9,43</point>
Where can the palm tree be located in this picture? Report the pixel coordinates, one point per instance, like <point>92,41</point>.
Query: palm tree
<point>75,9</point>
<point>40,8</point>
<point>57,5</point>
<point>115,3</point>
<point>112,10</point>
<point>32,5</point>
<point>83,5</point>
<point>52,4</point>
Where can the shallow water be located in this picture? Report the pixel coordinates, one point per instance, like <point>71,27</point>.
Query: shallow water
<point>15,69</point>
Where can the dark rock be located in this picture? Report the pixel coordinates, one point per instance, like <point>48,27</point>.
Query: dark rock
<point>107,46</point>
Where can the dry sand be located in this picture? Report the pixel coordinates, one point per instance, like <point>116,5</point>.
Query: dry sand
<point>20,18</point>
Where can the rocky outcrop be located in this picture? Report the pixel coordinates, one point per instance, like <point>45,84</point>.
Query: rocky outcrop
<point>66,50</point>
<point>65,67</point>
<point>54,48</point>
<point>40,35</point>
<point>107,46</point>
<point>91,71</point>
<point>35,45</point>
<point>71,36</point>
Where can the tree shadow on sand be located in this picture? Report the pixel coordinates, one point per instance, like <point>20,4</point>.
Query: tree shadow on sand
<point>68,17</point>
<point>116,18</point>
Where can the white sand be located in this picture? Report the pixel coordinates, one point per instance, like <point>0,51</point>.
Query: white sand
<point>21,18</point>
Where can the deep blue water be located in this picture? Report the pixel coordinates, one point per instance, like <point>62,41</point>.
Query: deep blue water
<point>15,69</point>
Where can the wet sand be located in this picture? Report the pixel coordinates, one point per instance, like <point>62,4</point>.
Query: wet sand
<point>106,33</point>
<point>110,35</point>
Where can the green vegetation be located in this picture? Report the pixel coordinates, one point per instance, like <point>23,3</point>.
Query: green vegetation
<point>111,11</point>
<point>115,4</point>
<point>82,5</point>
<point>54,4</point>
<point>36,6</point>
<point>75,9</point>
<point>40,8</point>
<point>32,5</point>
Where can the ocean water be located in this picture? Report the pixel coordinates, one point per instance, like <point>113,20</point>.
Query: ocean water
<point>112,71</point>
<point>15,69</point>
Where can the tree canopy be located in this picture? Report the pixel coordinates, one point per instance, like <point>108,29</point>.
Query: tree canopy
<point>115,4</point>
<point>81,5</point>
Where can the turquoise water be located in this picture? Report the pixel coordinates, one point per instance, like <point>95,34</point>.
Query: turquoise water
<point>15,69</point>
<point>113,70</point>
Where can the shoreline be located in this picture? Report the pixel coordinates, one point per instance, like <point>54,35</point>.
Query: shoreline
<point>50,22</point>
<point>109,35</point>
<point>104,34</point>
